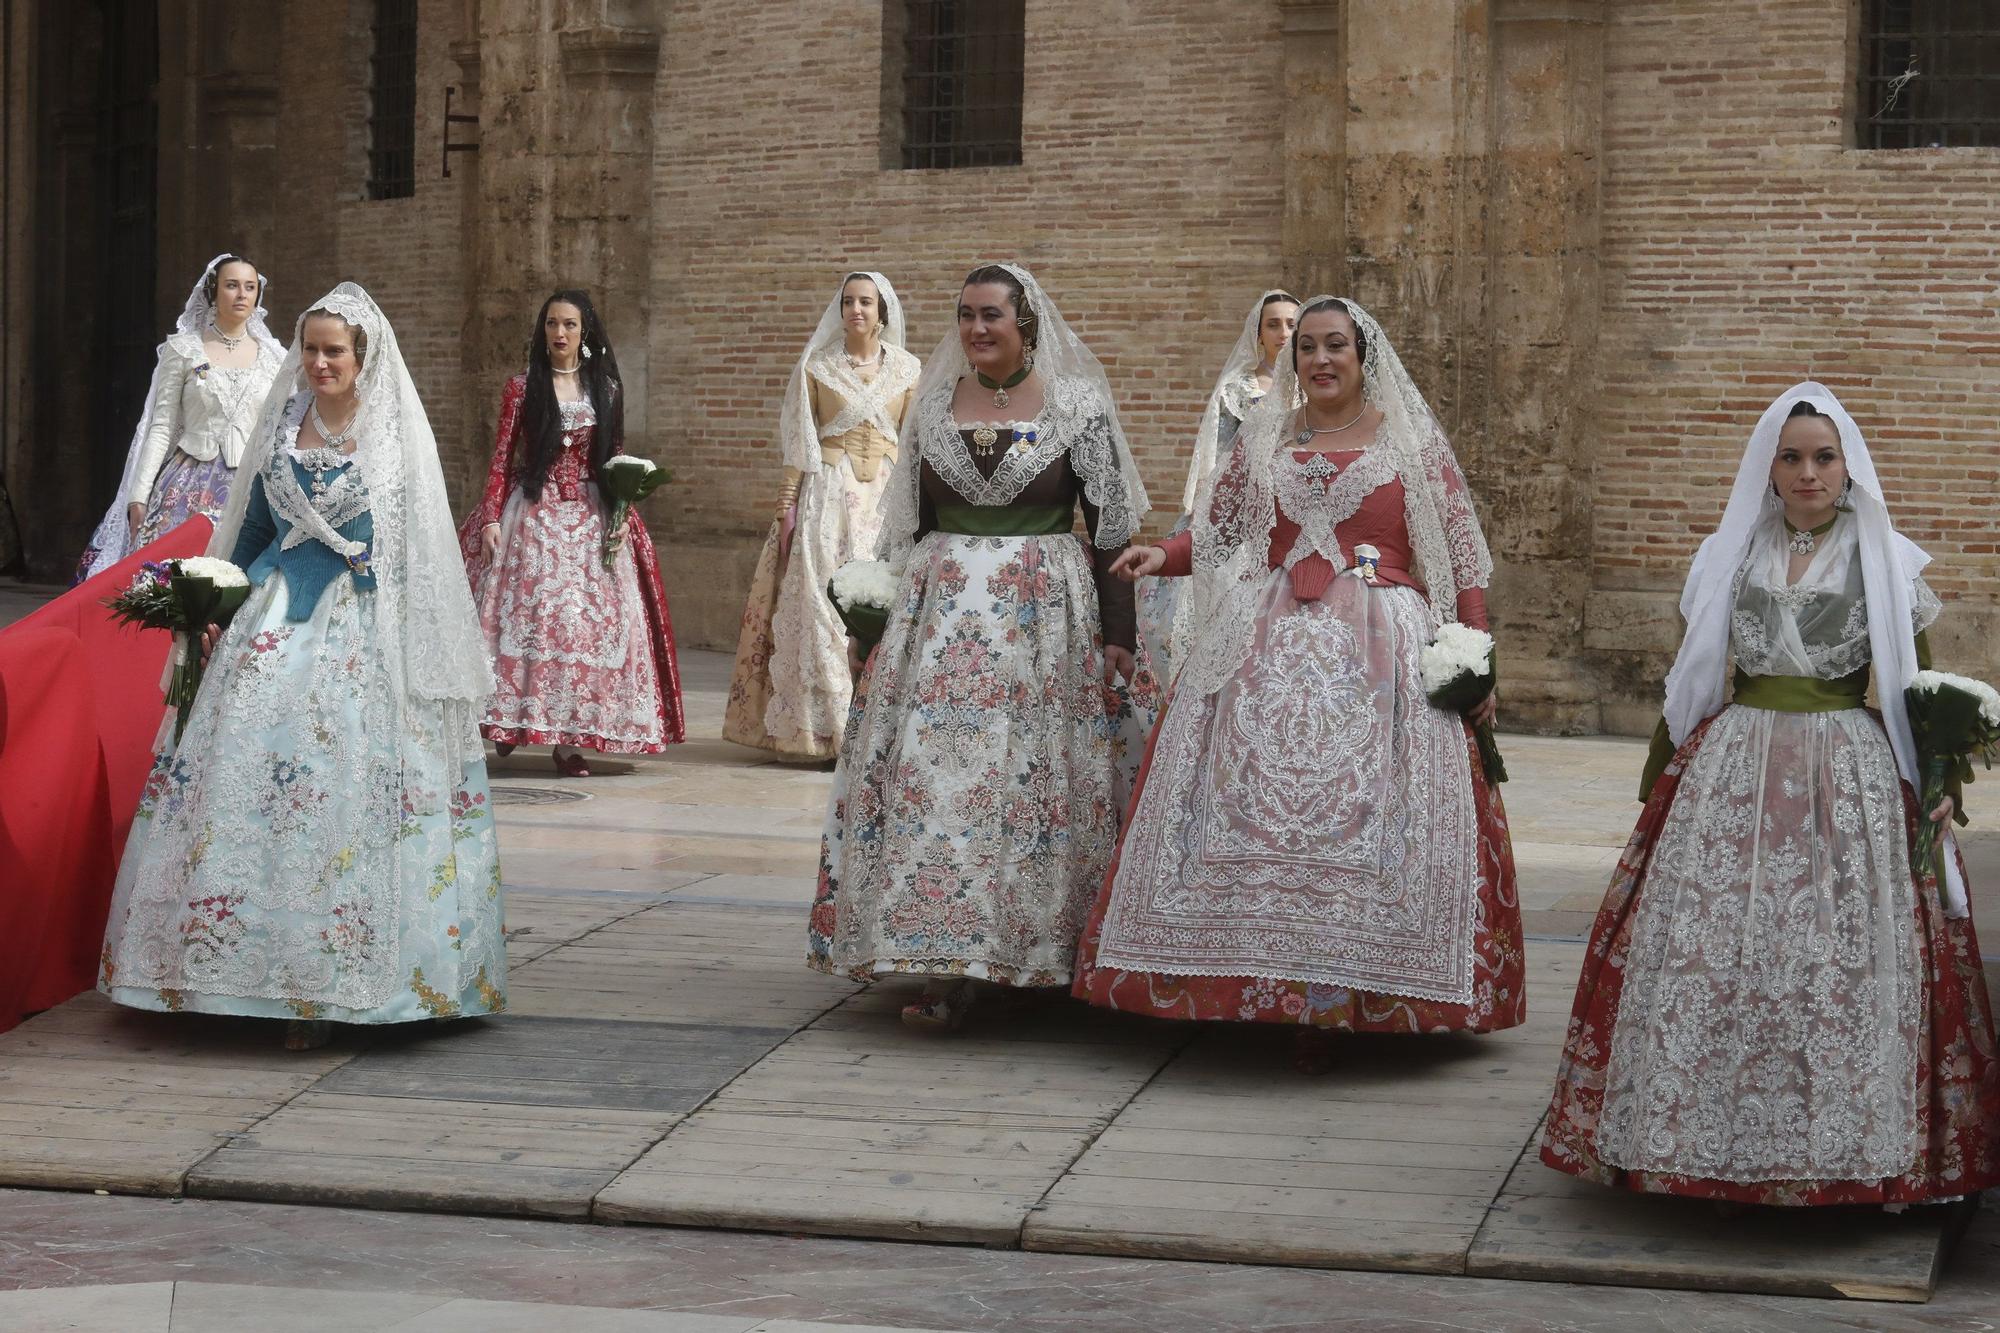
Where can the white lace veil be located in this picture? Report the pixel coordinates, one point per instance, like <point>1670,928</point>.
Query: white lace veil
<point>424,612</point>
<point>798,434</point>
<point>1890,564</point>
<point>1243,358</point>
<point>1236,509</point>
<point>1075,389</point>
<point>108,542</point>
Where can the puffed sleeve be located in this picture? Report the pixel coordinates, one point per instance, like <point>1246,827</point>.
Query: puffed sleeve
<point>169,380</point>
<point>500,475</point>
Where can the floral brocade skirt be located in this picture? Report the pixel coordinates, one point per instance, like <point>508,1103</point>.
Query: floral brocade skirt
<point>1314,843</point>
<point>980,782</point>
<point>312,848</point>
<point>1774,1008</point>
<point>582,655</point>
<point>791,687</point>
<point>186,486</point>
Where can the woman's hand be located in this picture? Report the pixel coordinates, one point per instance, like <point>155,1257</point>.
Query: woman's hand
<point>490,538</point>
<point>1137,562</point>
<point>1483,712</point>
<point>856,659</point>
<point>135,514</point>
<point>208,639</point>
<point>1118,663</point>
<point>1943,811</point>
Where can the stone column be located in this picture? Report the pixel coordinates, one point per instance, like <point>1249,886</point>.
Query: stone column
<point>1543,221</point>
<point>1313,232</point>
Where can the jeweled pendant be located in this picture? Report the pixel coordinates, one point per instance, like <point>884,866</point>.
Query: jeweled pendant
<point>984,438</point>
<point>999,398</point>
<point>1802,542</point>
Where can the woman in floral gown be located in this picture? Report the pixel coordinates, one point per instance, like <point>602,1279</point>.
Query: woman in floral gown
<point>1775,1008</point>
<point>981,778</point>
<point>209,384</point>
<point>1313,843</point>
<point>1166,612</point>
<point>318,846</point>
<point>583,655</point>
<point>843,411</point>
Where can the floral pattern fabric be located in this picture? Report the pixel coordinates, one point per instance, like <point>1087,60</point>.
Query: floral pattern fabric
<point>303,852</point>
<point>582,655</point>
<point>1840,1043</point>
<point>980,781</point>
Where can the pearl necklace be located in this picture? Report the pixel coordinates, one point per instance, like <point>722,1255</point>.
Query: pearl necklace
<point>334,439</point>
<point>229,344</point>
<point>1308,430</point>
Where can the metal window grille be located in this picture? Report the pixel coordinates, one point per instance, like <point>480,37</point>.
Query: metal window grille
<point>392,102</point>
<point>1930,74</point>
<point>962,70</point>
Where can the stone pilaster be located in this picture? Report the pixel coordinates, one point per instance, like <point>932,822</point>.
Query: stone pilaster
<point>1313,232</point>
<point>1541,348</point>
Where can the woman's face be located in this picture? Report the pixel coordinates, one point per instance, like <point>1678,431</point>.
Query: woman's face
<point>236,287</point>
<point>987,331</point>
<point>1280,318</point>
<point>562,330</point>
<point>860,307</point>
<point>1809,470</point>
<point>1329,367</point>
<point>326,350</point>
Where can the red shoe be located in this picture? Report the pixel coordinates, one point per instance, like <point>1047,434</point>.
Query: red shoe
<point>571,765</point>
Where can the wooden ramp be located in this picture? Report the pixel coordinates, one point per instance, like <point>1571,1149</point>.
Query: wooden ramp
<point>858,1127</point>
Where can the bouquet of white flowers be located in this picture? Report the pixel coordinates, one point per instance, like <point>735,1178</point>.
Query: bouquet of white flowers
<point>185,597</point>
<point>1458,674</point>
<point>626,480</point>
<point>1952,718</point>
<point>862,592</point>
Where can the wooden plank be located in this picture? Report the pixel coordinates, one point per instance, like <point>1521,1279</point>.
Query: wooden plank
<point>1551,1226</point>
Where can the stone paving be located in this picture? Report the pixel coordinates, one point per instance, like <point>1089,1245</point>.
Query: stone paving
<point>669,1060</point>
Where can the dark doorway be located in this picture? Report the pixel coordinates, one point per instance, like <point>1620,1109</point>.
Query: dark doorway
<point>128,160</point>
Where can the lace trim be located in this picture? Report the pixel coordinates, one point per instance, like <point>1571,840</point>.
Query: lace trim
<point>863,400</point>
<point>1319,495</point>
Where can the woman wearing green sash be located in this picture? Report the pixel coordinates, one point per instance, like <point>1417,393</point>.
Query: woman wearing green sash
<point>1775,1008</point>
<point>991,744</point>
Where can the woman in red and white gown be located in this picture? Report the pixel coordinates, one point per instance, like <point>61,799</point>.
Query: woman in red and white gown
<point>583,656</point>
<point>1311,841</point>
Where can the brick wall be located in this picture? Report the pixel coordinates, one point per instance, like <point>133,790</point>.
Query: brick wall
<point>1746,247</point>
<point>1147,204</point>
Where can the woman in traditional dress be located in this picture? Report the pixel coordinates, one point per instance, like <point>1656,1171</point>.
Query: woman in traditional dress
<point>319,845</point>
<point>1166,613</point>
<point>208,386</point>
<point>978,793</point>
<point>583,655</point>
<point>1775,1008</point>
<point>843,411</point>
<point>1313,842</point>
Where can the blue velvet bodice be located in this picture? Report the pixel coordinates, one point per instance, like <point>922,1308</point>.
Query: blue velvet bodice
<point>309,567</point>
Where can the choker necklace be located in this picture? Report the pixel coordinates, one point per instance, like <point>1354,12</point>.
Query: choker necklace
<point>1000,388</point>
<point>229,344</point>
<point>571,370</point>
<point>1803,541</point>
<point>1307,430</point>
<point>334,439</point>
<point>857,363</point>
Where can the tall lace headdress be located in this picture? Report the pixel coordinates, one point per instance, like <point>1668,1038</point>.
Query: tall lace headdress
<point>196,315</point>
<point>822,359</point>
<point>1236,509</point>
<point>424,613</point>
<point>1245,356</point>
<point>1890,564</point>
<point>1077,409</point>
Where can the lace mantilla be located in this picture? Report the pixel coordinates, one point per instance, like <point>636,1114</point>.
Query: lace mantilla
<point>1319,495</point>
<point>863,400</point>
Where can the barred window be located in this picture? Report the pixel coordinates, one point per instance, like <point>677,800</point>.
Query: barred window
<point>961,65</point>
<point>1930,74</point>
<point>392,102</point>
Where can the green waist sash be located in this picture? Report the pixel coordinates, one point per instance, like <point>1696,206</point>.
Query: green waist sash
<point>1006,520</point>
<point>1802,694</point>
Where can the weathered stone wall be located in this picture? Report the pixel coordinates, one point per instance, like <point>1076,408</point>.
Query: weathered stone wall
<point>1746,246</point>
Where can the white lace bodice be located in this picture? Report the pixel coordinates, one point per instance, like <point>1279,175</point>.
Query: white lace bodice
<point>204,411</point>
<point>1818,625</point>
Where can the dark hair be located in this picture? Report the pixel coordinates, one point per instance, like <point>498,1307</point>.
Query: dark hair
<point>213,282</point>
<point>1332,303</point>
<point>355,333</point>
<point>1025,317</point>
<point>1802,408</point>
<point>1272,300</point>
<point>541,415</point>
<point>884,302</point>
